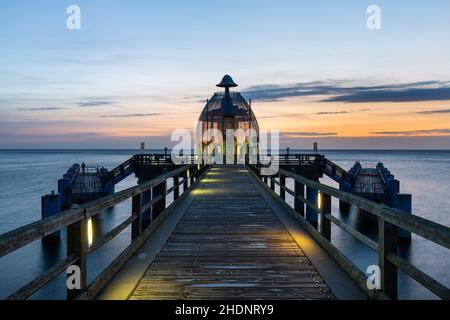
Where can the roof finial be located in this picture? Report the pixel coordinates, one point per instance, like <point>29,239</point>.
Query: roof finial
<point>227,83</point>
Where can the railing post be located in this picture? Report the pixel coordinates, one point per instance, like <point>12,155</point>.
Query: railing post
<point>311,215</point>
<point>282,186</point>
<point>136,207</point>
<point>325,223</point>
<point>299,190</point>
<point>387,240</point>
<point>160,205</point>
<point>272,183</point>
<point>185,180</point>
<point>176,185</point>
<point>77,243</point>
<point>191,175</point>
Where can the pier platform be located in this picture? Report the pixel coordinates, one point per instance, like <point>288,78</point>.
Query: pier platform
<point>230,243</point>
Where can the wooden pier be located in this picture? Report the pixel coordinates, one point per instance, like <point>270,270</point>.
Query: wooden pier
<point>230,245</point>
<point>230,238</point>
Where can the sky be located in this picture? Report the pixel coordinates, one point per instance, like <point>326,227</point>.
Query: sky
<point>137,70</point>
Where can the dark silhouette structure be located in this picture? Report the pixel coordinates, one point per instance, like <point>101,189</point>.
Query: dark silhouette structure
<point>226,110</point>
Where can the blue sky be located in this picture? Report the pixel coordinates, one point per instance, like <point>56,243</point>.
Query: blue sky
<point>145,57</point>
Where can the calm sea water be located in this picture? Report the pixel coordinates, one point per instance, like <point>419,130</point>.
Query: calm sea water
<point>27,175</point>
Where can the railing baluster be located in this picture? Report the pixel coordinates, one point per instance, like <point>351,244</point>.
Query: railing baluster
<point>387,239</point>
<point>282,186</point>
<point>159,206</point>
<point>325,223</point>
<point>191,175</point>
<point>185,180</point>
<point>136,227</point>
<point>77,243</point>
<point>312,216</point>
<point>299,190</point>
<point>176,190</point>
<point>272,183</point>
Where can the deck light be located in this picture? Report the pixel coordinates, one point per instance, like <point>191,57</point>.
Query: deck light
<point>319,200</point>
<point>90,234</point>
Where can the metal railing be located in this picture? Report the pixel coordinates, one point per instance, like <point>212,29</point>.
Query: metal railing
<point>76,220</point>
<point>389,219</point>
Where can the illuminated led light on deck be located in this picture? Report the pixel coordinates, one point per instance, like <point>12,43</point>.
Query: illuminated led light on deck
<point>319,200</point>
<point>90,233</point>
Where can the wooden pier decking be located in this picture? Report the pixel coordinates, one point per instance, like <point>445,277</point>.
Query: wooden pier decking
<point>230,245</point>
<point>229,233</point>
<point>87,187</point>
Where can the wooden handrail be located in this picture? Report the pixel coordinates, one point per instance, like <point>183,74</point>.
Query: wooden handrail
<point>389,220</point>
<point>75,221</point>
<point>425,228</point>
<point>20,237</point>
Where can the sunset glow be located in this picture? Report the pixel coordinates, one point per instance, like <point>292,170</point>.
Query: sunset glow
<point>115,84</point>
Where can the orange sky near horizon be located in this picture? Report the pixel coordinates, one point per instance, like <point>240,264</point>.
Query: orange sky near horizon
<point>289,116</point>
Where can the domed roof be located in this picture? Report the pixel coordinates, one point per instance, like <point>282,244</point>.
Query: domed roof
<point>227,82</point>
<point>228,105</point>
<point>215,107</point>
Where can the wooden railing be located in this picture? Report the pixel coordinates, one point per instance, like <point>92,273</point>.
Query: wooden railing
<point>389,219</point>
<point>76,221</point>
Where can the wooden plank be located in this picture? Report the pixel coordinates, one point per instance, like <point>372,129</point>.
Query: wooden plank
<point>230,244</point>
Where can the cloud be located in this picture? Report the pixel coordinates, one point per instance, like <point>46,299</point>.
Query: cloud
<point>341,91</point>
<point>42,109</point>
<point>290,115</point>
<point>332,112</point>
<point>434,111</point>
<point>390,95</point>
<point>94,103</point>
<point>131,115</point>
<point>307,134</point>
<point>414,132</point>
<point>305,116</point>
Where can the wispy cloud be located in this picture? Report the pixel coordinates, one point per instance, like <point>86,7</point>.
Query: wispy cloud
<point>414,132</point>
<point>289,115</point>
<point>341,91</point>
<point>434,111</point>
<point>94,103</point>
<point>332,112</point>
<point>131,115</point>
<point>42,109</point>
<point>299,134</point>
<point>305,115</point>
<point>393,95</point>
